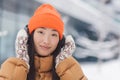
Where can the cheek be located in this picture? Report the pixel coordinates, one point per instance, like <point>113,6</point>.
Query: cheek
<point>36,39</point>
<point>55,43</point>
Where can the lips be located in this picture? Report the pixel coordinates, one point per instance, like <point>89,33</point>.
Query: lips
<point>44,47</point>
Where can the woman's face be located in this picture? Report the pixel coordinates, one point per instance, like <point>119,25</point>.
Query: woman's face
<point>45,40</point>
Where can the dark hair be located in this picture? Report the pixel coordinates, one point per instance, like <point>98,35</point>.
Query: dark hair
<point>31,53</point>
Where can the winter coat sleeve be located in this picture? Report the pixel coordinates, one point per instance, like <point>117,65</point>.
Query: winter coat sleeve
<point>70,69</point>
<point>13,69</point>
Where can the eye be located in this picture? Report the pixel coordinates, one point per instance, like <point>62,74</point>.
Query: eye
<point>56,35</point>
<point>41,32</point>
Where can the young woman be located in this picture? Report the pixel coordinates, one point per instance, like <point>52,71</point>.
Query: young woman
<point>43,53</point>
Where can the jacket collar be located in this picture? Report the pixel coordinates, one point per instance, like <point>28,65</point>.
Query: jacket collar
<point>43,64</point>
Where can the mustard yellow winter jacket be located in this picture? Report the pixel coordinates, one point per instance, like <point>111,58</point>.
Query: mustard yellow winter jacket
<point>16,69</point>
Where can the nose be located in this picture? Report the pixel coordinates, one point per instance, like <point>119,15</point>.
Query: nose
<point>46,40</point>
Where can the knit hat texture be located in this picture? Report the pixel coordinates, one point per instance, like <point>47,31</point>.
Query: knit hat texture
<point>46,16</point>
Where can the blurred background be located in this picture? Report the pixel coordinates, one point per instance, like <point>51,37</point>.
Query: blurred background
<point>94,25</point>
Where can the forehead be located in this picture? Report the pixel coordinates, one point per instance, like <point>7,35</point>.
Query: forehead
<point>45,28</point>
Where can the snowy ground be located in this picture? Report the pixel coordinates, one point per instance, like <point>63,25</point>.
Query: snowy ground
<point>102,71</point>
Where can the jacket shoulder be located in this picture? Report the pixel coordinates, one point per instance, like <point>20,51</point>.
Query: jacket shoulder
<point>12,68</point>
<point>70,69</point>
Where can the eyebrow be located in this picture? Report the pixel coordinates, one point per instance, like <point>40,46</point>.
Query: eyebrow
<point>54,30</point>
<point>43,27</point>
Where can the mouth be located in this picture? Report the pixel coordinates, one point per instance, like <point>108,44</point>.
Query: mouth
<point>44,47</point>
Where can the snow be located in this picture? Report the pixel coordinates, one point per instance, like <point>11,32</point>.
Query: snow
<point>102,70</point>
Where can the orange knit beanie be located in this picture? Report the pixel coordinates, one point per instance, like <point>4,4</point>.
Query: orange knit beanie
<point>46,16</point>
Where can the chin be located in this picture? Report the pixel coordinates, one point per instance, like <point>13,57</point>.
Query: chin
<point>44,55</point>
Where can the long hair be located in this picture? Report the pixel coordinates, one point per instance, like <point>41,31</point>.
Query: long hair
<point>31,53</point>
